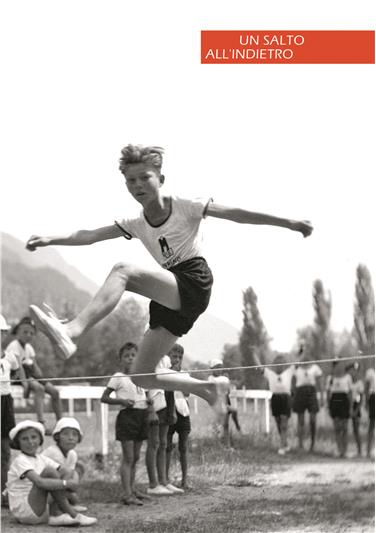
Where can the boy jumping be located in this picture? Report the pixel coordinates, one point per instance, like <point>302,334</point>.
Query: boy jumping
<point>179,288</point>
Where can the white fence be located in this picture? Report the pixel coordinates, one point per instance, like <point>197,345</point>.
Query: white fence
<point>92,395</point>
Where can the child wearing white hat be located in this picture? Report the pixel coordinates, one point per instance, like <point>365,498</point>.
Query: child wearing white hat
<point>33,477</point>
<point>67,434</point>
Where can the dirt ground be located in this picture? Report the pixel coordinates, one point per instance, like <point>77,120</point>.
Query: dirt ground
<point>320,494</point>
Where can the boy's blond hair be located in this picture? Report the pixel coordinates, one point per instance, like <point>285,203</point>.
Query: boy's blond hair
<point>137,153</point>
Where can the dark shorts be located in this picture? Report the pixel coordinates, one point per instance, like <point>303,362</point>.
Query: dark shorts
<point>371,405</point>
<point>305,398</point>
<point>165,417</point>
<point>195,281</point>
<point>339,405</point>
<point>281,405</point>
<point>7,415</point>
<point>131,424</point>
<point>183,425</point>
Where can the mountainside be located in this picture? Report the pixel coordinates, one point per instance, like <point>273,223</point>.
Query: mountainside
<point>45,277</point>
<point>207,338</point>
<point>14,250</point>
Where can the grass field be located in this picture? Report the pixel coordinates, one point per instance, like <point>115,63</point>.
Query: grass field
<point>248,488</point>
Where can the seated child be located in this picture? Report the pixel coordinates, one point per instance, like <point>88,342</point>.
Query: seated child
<point>131,422</point>
<point>182,426</point>
<point>22,348</point>
<point>67,434</point>
<point>33,477</point>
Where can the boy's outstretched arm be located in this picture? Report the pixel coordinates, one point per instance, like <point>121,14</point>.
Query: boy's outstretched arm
<point>243,216</point>
<point>78,238</point>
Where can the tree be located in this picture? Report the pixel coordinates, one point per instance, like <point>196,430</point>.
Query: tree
<point>232,358</point>
<point>322,336</point>
<point>253,338</point>
<point>364,311</point>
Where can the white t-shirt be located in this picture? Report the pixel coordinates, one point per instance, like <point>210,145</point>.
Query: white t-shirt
<point>18,485</point>
<point>177,239</point>
<point>157,395</point>
<point>7,363</point>
<point>306,375</point>
<point>370,378</point>
<point>25,354</point>
<point>125,389</point>
<point>181,403</point>
<point>339,384</point>
<point>279,383</point>
<point>68,461</point>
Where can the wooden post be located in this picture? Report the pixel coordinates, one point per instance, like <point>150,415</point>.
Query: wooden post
<point>71,406</point>
<point>88,407</point>
<point>244,400</point>
<point>195,405</point>
<point>101,428</point>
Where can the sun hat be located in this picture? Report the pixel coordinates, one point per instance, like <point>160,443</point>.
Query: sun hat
<point>215,362</point>
<point>67,422</point>
<point>4,326</point>
<point>25,424</point>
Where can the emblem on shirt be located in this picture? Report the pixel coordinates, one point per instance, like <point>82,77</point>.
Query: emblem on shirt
<point>165,248</point>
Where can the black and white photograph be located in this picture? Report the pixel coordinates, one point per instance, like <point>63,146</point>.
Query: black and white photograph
<point>187,272</point>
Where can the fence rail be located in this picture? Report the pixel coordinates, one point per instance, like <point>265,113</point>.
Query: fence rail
<point>92,395</point>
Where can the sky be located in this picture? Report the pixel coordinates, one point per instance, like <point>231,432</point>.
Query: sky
<point>83,79</point>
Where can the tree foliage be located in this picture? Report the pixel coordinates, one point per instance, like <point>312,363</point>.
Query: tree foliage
<point>254,338</point>
<point>364,311</point>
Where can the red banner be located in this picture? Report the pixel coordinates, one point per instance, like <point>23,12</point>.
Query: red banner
<point>253,46</point>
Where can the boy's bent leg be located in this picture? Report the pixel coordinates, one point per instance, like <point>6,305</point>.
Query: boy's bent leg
<point>156,343</point>
<point>158,285</point>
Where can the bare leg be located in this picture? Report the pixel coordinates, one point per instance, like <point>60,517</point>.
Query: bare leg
<point>169,449</point>
<point>136,456</point>
<point>312,427</point>
<point>161,454</point>
<point>226,430</point>
<point>370,436</point>
<point>355,424</point>
<point>159,285</point>
<point>151,454</point>
<point>283,430</point>
<point>183,456</point>
<point>38,392</point>
<point>55,400</point>
<point>337,434</point>
<point>156,343</point>
<point>126,467</point>
<point>38,497</point>
<point>301,430</point>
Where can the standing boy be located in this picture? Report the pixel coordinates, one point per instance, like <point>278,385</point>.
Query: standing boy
<point>131,422</point>
<point>182,426</point>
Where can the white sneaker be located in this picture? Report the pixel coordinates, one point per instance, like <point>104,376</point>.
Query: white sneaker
<point>80,508</point>
<point>159,490</point>
<point>63,520</point>
<point>84,520</point>
<point>54,330</point>
<point>174,489</point>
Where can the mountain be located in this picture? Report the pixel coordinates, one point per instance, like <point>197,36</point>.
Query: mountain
<point>207,338</point>
<point>14,250</point>
<point>45,276</point>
